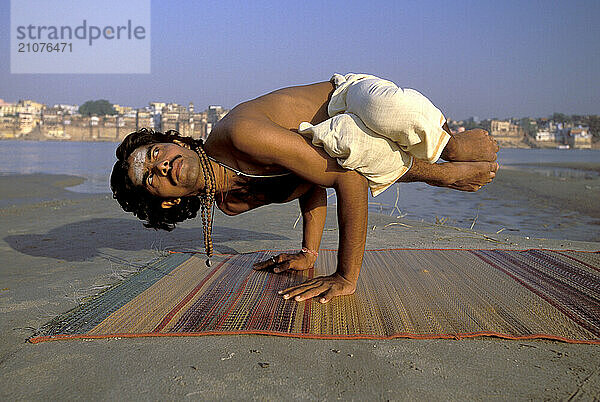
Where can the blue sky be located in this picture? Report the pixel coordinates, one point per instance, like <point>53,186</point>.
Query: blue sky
<point>471,58</point>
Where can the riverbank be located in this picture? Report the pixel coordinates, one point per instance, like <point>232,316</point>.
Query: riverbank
<point>564,186</point>
<point>529,144</point>
<point>544,200</point>
<point>59,247</point>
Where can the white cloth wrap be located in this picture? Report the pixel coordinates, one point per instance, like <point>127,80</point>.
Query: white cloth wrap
<point>377,128</point>
<point>356,147</point>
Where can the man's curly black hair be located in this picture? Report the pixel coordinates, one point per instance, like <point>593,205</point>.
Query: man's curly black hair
<point>137,199</point>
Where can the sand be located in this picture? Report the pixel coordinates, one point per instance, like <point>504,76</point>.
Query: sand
<point>59,247</point>
<point>572,194</point>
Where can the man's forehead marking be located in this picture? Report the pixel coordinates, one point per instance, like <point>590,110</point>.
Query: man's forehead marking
<point>139,159</point>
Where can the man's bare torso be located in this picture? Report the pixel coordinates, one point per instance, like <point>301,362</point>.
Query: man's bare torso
<point>286,108</point>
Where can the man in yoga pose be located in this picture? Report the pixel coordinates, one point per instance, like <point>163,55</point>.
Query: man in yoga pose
<point>259,154</point>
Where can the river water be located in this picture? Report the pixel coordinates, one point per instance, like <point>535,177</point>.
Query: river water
<point>417,201</point>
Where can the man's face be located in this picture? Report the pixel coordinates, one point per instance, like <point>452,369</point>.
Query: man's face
<point>166,170</point>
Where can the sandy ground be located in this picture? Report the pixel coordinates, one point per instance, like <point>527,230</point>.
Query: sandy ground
<point>572,194</point>
<point>58,247</point>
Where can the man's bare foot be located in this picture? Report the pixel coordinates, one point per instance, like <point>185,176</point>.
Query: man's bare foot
<point>463,176</point>
<point>471,146</point>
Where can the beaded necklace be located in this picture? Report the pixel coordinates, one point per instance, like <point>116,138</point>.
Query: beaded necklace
<point>207,201</point>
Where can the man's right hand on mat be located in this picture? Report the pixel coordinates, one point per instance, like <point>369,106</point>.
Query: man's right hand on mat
<point>284,262</point>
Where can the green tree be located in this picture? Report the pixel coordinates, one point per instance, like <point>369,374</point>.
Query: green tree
<point>470,124</point>
<point>593,122</point>
<point>486,124</point>
<point>527,125</point>
<point>560,118</point>
<point>577,119</point>
<point>98,107</point>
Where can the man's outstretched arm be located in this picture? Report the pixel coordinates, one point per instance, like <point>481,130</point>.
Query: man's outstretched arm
<point>269,144</point>
<point>351,192</point>
<point>313,207</point>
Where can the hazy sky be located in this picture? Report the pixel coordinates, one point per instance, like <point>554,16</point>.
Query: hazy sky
<point>471,58</point>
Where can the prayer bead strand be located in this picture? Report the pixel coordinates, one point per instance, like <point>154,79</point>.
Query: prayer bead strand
<point>207,200</point>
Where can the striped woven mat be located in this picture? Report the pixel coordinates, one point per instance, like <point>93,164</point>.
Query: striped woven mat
<point>401,293</point>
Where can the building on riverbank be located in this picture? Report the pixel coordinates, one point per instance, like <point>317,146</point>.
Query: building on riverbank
<point>29,120</point>
<point>508,134</point>
<point>579,137</point>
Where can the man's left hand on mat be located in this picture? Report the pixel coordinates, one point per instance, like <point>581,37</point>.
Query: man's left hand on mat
<point>326,287</point>
<point>284,262</point>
